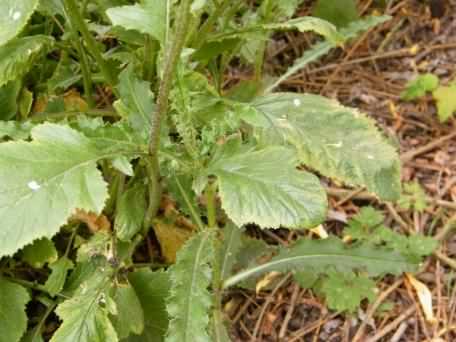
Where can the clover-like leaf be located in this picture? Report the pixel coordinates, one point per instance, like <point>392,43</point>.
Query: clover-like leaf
<point>264,187</point>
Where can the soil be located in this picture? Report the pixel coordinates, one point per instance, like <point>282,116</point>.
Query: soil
<point>370,73</point>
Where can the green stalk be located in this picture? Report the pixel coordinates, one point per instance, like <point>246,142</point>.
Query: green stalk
<point>190,207</point>
<point>86,75</point>
<point>211,192</point>
<point>77,21</point>
<point>150,58</point>
<point>171,59</point>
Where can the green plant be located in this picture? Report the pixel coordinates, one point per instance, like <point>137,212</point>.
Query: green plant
<point>227,157</point>
<point>444,96</point>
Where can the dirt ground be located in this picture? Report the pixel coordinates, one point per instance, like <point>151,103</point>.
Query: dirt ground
<point>370,73</point>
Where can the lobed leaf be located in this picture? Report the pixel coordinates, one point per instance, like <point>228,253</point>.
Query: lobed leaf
<point>337,141</point>
<point>189,300</point>
<point>18,56</point>
<point>15,15</point>
<point>264,187</point>
<point>345,291</point>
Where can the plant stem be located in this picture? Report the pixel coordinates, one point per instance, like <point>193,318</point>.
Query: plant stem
<point>192,210</point>
<point>76,19</point>
<point>154,190</point>
<point>211,192</point>
<point>171,59</point>
<point>150,58</point>
<point>86,76</point>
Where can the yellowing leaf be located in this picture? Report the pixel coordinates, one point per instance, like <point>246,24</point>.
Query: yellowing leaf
<point>446,101</point>
<point>74,102</point>
<point>424,296</point>
<point>171,239</point>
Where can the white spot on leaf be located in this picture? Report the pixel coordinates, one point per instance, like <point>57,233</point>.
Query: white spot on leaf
<point>297,102</point>
<point>370,157</point>
<point>336,145</point>
<point>16,15</point>
<point>33,185</point>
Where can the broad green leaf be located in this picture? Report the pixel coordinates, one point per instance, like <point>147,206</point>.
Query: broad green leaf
<point>18,56</point>
<point>189,301</point>
<point>85,314</point>
<point>15,15</point>
<point>149,17</point>
<point>341,12</point>
<point>420,86</point>
<point>130,315</point>
<point>322,48</point>
<point>446,101</point>
<point>322,255</point>
<point>9,94</point>
<point>137,101</point>
<point>335,140</point>
<point>39,253</point>
<point>56,174</point>
<point>232,243</point>
<point>152,289</point>
<point>15,130</point>
<point>264,187</point>
<point>59,270</point>
<point>345,291</point>
<point>131,212</point>
<point>13,319</point>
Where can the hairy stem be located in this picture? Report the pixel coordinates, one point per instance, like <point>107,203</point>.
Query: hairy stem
<point>171,59</point>
<point>77,21</point>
